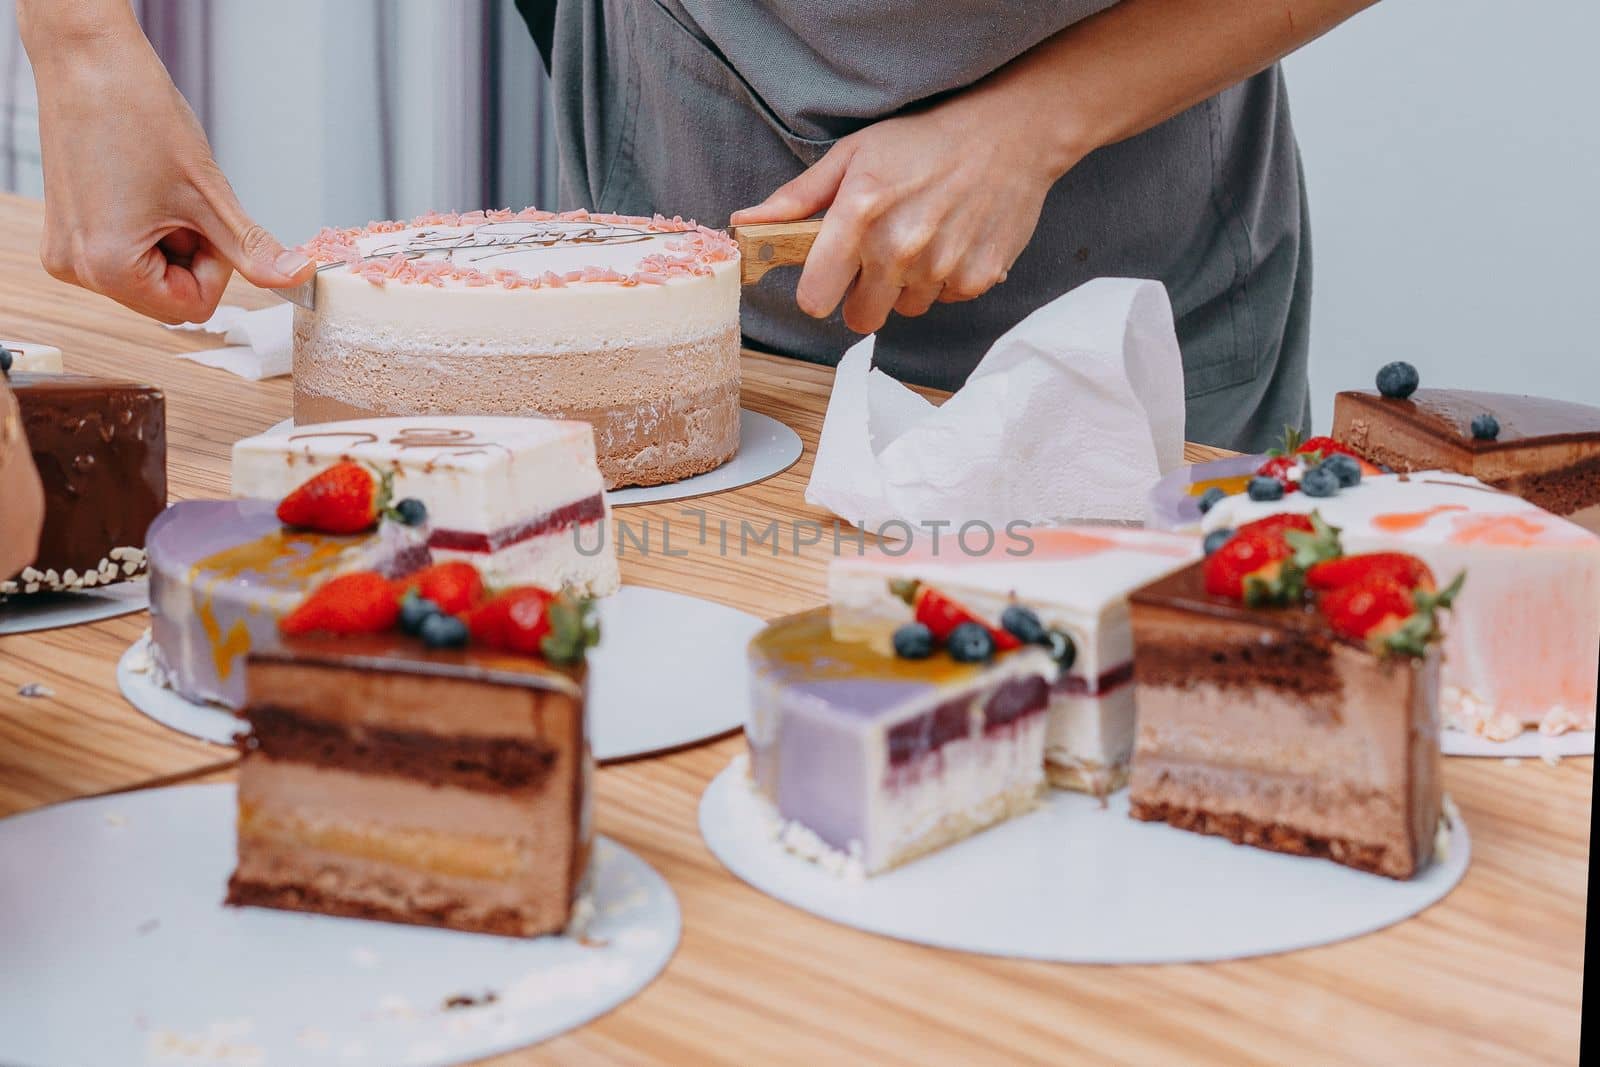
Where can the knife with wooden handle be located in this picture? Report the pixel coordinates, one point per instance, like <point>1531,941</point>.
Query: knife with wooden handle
<point>762,247</point>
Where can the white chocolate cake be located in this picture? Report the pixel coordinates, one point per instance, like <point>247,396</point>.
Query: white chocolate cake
<point>628,323</point>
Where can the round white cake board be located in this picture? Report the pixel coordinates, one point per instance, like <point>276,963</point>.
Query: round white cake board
<point>670,671</point>
<point>766,447</point>
<point>1529,744</point>
<point>119,950</point>
<point>1077,883</point>
<point>47,611</point>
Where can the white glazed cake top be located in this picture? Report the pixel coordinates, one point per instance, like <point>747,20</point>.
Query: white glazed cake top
<point>478,474</point>
<point>1425,507</point>
<point>34,359</point>
<point>1083,568</point>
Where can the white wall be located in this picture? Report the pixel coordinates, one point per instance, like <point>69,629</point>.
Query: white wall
<point>1452,153</point>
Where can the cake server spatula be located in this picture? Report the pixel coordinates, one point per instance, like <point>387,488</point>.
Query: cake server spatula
<point>761,247</point>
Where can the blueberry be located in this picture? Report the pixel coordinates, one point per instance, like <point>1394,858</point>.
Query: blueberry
<point>1348,468</point>
<point>1216,539</point>
<point>412,511</point>
<point>1265,487</point>
<point>443,631</point>
<point>1485,427</point>
<point>5,360</point>
<point>1063,649</point>
<point>1023,624</point>
<point>1320,481</point>
<point>913,641</point>
<point>970,642</point>
<point>1211,498</point>
<point>414,611</point>
<point>1397,380</point>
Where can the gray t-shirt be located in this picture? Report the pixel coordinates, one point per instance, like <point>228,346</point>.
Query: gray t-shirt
<point>701,107</point>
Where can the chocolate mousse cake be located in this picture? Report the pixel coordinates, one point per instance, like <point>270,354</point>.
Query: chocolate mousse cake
<point>1545,451</point>
<point>101,450</point>
<point>1306,724</point>
<point>628,323</point>
<point>384,779</point>
<point>875,758</point>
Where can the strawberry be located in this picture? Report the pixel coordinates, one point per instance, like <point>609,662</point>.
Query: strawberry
<point>344,499</point>
<point>454,587</point>
<point>1278,467</point>
<point>1265,561</point>
<point>535,622</point>
<point>1409,571</point>
<point>942,614</point>
<point>1324,447</point>
<point>1391,618</point>
<point>360,603</point>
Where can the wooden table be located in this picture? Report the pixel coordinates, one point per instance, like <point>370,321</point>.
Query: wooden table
<point>1493,974</point>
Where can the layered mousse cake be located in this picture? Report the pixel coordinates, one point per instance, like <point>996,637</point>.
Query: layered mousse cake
<point>522,500</point>
<point>878,757</point>
<point>1293,714</point>
<point>1522,646</point>
<point>1545,451</point>
<point>628,323</point>
<point>101,451</point>
<point>222,572</point>
<point>434,780</point>
<point>1076,582</point>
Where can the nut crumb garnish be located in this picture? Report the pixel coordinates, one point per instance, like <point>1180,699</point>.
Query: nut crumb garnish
<point>36,690</point>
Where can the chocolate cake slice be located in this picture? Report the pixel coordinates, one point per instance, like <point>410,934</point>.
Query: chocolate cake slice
<point>1265,726</point>
<point>101,450</point>
<point>385,780</point>
<point>1545,451</point>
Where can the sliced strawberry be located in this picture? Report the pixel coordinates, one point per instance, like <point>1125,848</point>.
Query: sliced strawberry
<point>344,499</point>
<point>942,614</point>
<point>359,603</point>
<point>535,622</point>
<point>455,586</point>
<point>1409,571</point>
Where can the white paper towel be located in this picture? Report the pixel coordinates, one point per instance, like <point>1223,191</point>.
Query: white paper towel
<point>1073,414</point>
<point>259,342</point>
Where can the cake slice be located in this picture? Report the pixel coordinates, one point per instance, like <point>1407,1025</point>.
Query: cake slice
<point>521,499</point>
<point>880,758</point>
<point>1522,646</point>
<point>1307,726</point>
<point>385,780</point>
<point>222,572</point>
<point>1545,451</point>
<point>101,450</point>
<point>20,357</point>
<point>1076,581</point>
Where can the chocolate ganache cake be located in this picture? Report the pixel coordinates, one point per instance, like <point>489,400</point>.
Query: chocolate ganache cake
<point>101,451</point>
<point>628,323</point>
<point>1545,451</point>
<point>383,779</point>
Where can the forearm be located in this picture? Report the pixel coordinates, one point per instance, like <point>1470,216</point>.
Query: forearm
<point>1139,62</point>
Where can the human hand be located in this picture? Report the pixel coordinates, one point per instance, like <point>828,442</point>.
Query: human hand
<point>930,206</point>
<point>135,206</point>
<point>21,498</point>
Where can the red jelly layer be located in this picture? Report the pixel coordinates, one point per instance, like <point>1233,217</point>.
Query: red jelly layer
<point>574,514</point>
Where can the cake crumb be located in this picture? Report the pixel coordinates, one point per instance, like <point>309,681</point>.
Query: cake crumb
<point>1551,759</point>
<point>1512,761</point>
<point>116,818</point>
<point>36,691</point>
<point>468,1000</point>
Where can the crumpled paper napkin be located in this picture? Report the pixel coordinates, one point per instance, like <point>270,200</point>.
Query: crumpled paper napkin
<point>1073,414</point>
<point>259,342</point>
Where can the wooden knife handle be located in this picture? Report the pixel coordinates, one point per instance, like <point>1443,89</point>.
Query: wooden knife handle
<point>773,244</point>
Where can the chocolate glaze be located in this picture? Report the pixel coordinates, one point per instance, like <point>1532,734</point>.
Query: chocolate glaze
<point>101,450</point>
<point>1523,419</point>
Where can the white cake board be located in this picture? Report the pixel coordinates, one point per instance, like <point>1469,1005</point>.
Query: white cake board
<point>47,611</point>
<point>766,447</point>
<point>119,950</point>
<point>1077,883</point>
<point>1529,744</point>
<point>670,671</point>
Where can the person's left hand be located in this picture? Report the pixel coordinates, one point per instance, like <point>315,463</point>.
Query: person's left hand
<point>930,206</point>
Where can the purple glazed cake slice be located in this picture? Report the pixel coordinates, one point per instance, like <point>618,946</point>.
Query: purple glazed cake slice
<point>223,571</point>
<point>885,759</point>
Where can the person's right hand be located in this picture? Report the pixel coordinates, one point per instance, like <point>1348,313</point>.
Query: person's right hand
<point>21,498</point>
<point>135,205</point>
